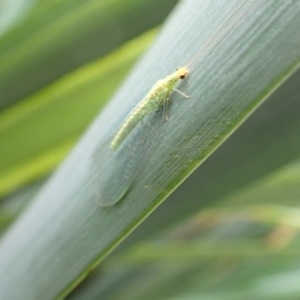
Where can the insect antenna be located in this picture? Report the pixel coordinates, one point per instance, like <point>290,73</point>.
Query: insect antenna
<point>214,40</point>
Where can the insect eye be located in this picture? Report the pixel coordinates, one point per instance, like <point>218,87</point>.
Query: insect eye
<point>182,76</point>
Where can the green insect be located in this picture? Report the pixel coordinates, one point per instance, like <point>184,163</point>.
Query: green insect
<point>157,96</point>
<point>130,145</point>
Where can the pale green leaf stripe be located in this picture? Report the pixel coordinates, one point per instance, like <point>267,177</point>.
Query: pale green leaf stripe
<point>43,127</point>
<point>56,37</point>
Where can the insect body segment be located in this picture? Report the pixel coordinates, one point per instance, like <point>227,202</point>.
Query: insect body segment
<point>158,95</point>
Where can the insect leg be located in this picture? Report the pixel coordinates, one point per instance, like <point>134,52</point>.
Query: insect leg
<point>165,109</point>
<point>181,93</point>
<point>165,101</point>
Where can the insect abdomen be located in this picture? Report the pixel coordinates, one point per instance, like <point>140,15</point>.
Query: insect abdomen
<point>157,95</point>
<point>138,113</point>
